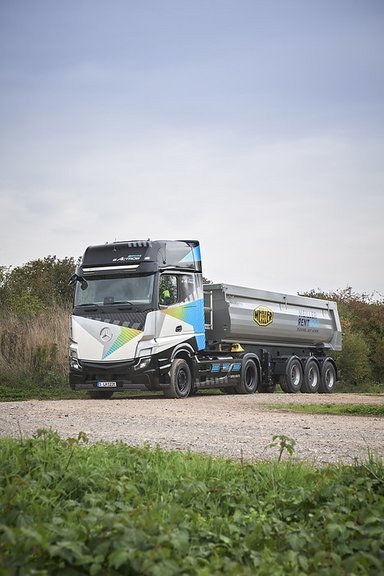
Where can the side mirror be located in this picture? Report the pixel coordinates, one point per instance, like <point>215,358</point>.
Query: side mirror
<point>75,278</point>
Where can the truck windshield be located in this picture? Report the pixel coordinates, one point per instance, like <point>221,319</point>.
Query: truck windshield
<point>109,290</point>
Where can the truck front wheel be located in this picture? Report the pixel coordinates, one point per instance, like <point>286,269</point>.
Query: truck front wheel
<point>180,380</point>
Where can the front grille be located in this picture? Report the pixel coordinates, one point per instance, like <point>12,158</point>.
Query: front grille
<point>135,320</point>
<point>99,367</point>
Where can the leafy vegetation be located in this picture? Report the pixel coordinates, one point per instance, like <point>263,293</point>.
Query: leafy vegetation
<point>72,508</point>
<point>36,286</point>
<point>34,328</point>
<point>361,361</point>
<point>340,409</point>
<point>284,443</point>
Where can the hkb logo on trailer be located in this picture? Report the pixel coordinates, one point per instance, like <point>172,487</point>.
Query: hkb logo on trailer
<point>263,316</point>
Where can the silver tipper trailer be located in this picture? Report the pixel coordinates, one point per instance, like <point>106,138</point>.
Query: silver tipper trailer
<point>143,319</point>
<point>256,317</point>
<point>291,335</point>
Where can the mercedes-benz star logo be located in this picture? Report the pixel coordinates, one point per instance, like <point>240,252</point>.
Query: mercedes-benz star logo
<point>105,334</point>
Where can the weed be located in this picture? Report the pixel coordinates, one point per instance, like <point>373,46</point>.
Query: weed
<point>284,443</point>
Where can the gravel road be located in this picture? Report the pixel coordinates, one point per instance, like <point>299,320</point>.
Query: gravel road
<point>232,426</point>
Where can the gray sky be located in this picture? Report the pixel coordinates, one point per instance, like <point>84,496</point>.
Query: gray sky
<point>255,126</point>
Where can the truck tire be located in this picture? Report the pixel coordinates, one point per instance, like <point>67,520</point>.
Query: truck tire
<point>328,377</point>
<point>311,381</point>
<point>180,380</point>
<point>292,380</point>
<point>249,378</point>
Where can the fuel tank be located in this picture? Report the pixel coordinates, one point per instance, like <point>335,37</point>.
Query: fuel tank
<point>246,315</point>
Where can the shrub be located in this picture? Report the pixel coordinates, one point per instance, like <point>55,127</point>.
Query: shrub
<point>362,322</point>
<point>353,362</point>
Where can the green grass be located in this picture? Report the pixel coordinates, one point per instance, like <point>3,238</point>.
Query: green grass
<point>35,392</point>
<point>104,509</point>
<point>337,409</point>
<point>25,388</point>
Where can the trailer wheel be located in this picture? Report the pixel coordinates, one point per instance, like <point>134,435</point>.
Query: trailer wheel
<point>292,380</point>
<point>249,378</point>
<point>328,377</point>
<point>311,380</point>
<point>180,380</point>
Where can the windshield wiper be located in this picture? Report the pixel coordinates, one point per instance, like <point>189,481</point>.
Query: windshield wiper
<point>92,306</point>
<point>124,305</point>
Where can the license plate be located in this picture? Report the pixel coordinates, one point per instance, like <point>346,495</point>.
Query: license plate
<point>106,384</point>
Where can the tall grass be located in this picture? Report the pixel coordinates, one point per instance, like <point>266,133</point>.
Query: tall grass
<point>34,347</point>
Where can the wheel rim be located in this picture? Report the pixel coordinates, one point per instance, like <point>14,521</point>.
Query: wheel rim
<point>295,376</point>
<point>329,378</point>
<point>182,380</point>
<point>313,378</point>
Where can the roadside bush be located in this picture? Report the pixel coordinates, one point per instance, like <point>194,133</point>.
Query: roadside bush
<point>362,320</point>
<point>353,362</point>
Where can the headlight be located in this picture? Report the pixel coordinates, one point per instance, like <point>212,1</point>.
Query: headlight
<point>144,362</point>
<point>73,360</point>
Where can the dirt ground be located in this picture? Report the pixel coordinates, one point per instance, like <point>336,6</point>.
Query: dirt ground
<point>235,426</point>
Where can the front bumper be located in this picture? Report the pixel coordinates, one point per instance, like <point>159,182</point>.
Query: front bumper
<point>140,373</point>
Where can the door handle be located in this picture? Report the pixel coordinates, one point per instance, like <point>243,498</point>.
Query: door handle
<point>178,328</point>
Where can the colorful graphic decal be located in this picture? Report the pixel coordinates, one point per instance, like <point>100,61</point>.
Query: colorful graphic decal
<point>191,313</point>
<point>126,334</point>
<point>227,367</point>
<point>192,256</point>
<point>99,340</point>
<point>308,324</point>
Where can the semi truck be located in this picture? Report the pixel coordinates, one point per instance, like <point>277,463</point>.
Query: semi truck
<point>143,319</point>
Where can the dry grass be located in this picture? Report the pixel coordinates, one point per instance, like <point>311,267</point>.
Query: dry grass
<point>29,342</point>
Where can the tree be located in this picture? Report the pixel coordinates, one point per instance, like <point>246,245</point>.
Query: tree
<point>37,285</point>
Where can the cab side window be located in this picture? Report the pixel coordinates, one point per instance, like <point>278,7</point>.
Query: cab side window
<point>176,288</point>
<point>168,290</point>
<point>186,287</point>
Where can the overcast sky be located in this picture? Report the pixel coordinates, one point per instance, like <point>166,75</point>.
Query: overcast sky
<point>254,126</point>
